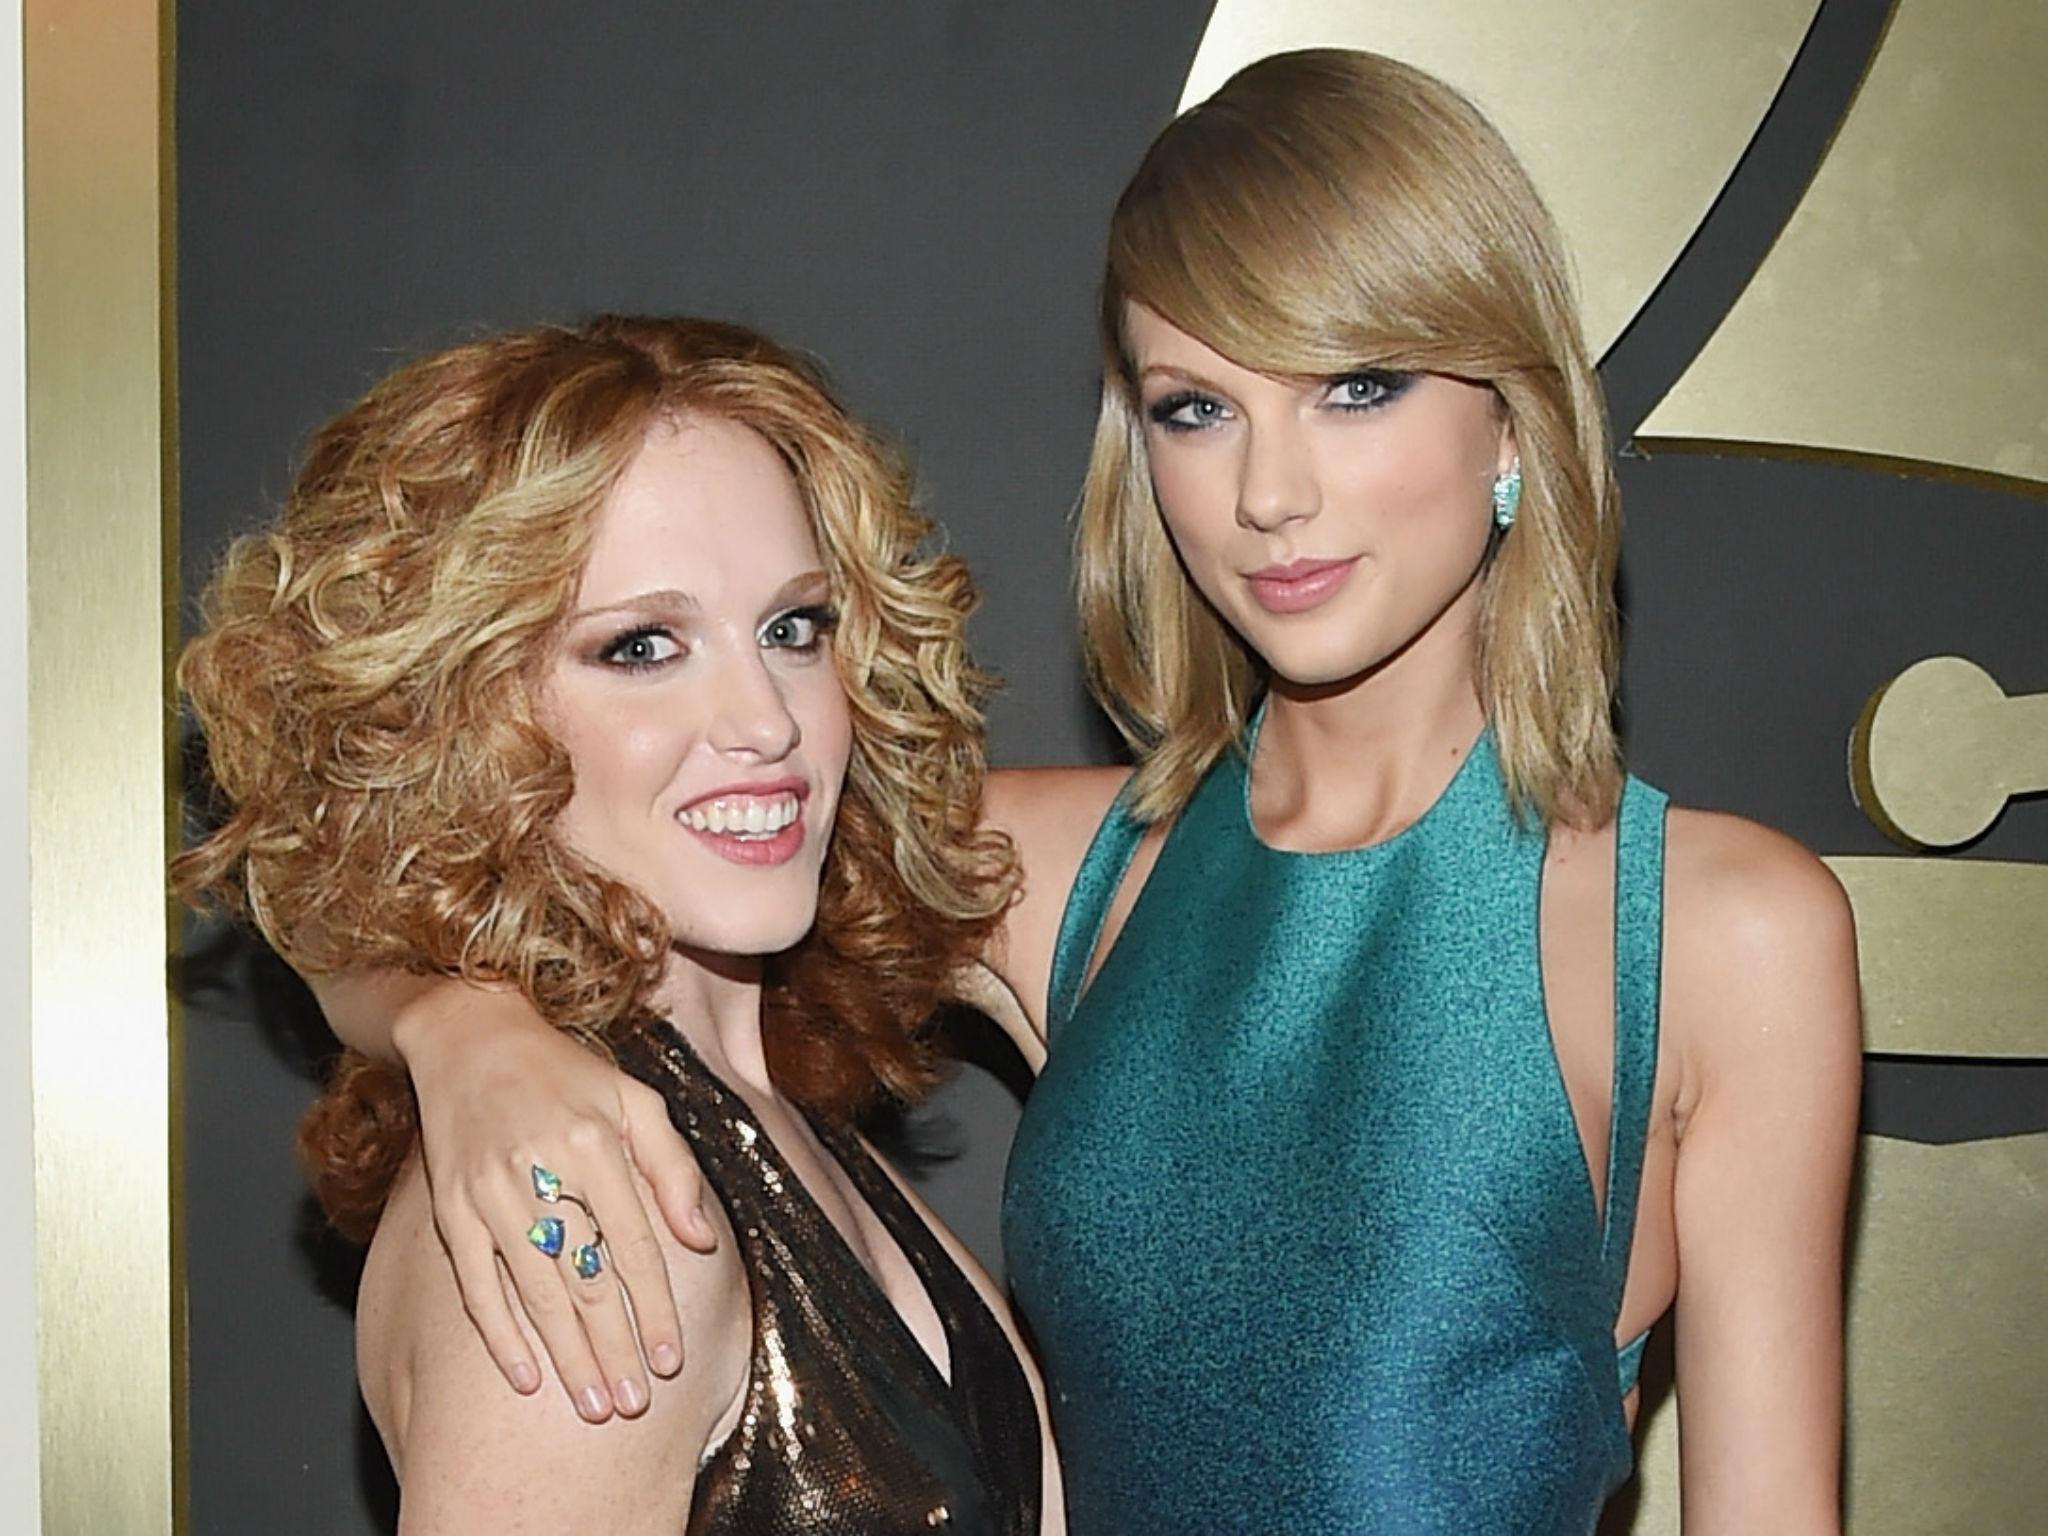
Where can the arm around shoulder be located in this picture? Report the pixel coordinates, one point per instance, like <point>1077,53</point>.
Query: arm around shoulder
<point>475,1457</point>
<point>1050,815</point>
<point>1764,1021</point>
<point>382,1012</point>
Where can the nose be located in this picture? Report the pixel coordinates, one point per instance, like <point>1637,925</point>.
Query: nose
<point>752,718</point>
<point>1276,482</point>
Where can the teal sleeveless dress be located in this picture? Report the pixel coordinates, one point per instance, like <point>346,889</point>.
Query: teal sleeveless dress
<point>1298,1215</point>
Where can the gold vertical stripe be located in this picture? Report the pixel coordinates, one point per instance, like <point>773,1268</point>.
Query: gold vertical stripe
<point>100,547</point>
<point>18,1417</point>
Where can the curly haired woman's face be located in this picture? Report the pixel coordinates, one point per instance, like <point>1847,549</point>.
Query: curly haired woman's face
<point>1330,522</point>
<point>695,692</point>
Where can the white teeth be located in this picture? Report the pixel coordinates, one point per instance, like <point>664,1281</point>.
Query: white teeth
<point>745,816</point>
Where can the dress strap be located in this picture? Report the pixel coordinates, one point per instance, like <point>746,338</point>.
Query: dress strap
<point>1102,871</point>
<point>1638,964</point>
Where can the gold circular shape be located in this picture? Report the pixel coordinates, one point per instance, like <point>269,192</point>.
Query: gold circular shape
<point>1938,751</point>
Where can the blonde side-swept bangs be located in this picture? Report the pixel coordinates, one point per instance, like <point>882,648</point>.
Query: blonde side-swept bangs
<point>1326,211</point>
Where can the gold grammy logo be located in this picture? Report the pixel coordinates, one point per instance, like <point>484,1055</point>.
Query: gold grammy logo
<point>1899,322</point>
<point>1949,1241</point>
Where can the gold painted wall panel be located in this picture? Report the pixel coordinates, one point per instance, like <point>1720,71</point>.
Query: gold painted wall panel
<point>1953,954</point>
<point>1947,1379</point>
<point>99,555</point>
<point>1903,313</point>
<point>1630,116</point>
<point>1656,1490</point>
<point>1947,1382</point>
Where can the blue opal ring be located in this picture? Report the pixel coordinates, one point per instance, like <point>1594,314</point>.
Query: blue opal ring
<point>550,1234</point>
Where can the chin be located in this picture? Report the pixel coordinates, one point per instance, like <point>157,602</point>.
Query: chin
<point>1309,649</point>
<point>743,929</point>
<point>1320,666</point>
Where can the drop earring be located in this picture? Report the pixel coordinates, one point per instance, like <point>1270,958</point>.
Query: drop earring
<point>1507,496</point>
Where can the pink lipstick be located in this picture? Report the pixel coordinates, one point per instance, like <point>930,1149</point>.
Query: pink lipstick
<point>1299,585</point>
<point>757,824</point>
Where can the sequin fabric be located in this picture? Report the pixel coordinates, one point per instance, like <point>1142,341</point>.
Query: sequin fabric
<point>1298,1215</point>
<point>847,1427</point>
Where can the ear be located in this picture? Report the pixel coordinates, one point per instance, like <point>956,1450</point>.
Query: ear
<point>1510,453</point>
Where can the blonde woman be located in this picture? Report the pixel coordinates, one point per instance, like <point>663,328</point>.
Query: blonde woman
<point>602,665</point>
<point>1408,1060</point>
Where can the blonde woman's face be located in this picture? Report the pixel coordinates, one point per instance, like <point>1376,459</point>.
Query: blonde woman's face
<point>1331,521</point>
<point>695,692</point>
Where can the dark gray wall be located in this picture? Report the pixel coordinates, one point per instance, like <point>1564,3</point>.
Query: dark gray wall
<point>916,192</point>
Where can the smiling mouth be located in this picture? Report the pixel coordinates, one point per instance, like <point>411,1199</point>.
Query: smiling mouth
<point>765,829</point>
<point>747,817</point>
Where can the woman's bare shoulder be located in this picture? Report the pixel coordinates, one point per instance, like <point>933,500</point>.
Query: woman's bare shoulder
<point>1730,881</point>
<point>464,1444</point>
<point>1051,815</point>
<point>1052,808</point>
<point>1760,945</point>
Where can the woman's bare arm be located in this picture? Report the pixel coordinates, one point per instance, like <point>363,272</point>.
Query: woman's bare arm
<point>366,1008</point>
<point>1762,997</point>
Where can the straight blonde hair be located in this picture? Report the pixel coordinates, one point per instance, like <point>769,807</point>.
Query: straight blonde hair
<point>1324,212</point>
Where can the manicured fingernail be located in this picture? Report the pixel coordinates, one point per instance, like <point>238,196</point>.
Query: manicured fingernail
<point>631,1396</point>
<point>667,1359</point>
<point>593,1404</point>
<point>524,1377</point>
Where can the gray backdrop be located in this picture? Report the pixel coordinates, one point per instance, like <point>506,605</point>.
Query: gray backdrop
<point>916,192</point>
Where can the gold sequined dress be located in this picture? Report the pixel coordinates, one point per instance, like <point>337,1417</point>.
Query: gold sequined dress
<point>847,1426</point>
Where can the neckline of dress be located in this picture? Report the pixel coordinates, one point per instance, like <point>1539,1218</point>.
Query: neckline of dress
<point>1455,788</point>
<point>668,1036</point>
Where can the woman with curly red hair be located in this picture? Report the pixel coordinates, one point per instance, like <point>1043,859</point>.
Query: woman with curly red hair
<point>603,665</point>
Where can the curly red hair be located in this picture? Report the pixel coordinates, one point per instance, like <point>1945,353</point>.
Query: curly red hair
<point>367,679</point>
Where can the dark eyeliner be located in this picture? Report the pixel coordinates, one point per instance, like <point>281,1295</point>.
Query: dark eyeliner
<point>822,617</point>
<point>1390,385</point>
<point>611,652</point>
<point>1163,410</point>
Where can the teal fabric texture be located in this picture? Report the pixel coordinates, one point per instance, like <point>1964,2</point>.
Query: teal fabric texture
<point>1298,1214</point>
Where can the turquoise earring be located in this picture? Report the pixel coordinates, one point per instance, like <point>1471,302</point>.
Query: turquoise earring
<point>1507,496</point>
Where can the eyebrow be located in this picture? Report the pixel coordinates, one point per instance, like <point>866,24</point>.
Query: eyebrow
<point>811,584</point>
<point>797,587</point>
<point>1174,371</point>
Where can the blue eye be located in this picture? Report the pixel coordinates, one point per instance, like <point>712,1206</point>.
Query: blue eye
<point>648,646</point>
<point>1368,389</point>
<point>1187,410</point>
<point>800,629</point>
